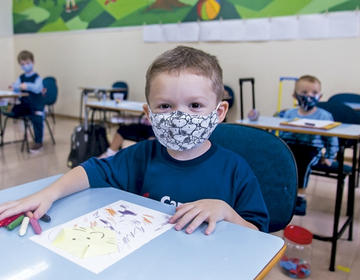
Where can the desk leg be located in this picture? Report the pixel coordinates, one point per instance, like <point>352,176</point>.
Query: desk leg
<point>1,131</point>
<point>339,193</point>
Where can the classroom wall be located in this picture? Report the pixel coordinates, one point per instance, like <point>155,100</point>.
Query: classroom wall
<point>7,71</point>
<point>101,57</point>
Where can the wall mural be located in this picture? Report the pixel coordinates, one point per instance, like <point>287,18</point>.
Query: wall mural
<point>35,16</point>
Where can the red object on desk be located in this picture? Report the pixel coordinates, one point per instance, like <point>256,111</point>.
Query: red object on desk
<point>9,220</point>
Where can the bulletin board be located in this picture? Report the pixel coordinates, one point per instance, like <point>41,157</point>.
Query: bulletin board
<point>37,16</point>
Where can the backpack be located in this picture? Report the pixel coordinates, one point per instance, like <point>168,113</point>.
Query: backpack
<point>87,144</point>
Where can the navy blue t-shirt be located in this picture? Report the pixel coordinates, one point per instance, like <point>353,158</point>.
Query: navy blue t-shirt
<point>147,169</point>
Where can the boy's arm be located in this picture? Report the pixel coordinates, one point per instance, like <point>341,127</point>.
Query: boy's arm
<point>73,181</point>
<point>36,86</point>
<point>16,86</point>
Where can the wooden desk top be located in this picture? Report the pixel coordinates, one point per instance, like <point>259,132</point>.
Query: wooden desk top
<point>346,131</point>
<point>11,94</point>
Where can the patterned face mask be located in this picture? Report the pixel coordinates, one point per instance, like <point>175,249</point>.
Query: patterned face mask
<point>307,102</point>
<point>180,131</point>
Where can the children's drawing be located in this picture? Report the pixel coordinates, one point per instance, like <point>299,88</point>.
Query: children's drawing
<point>86,242</point>
<point>115,231</point>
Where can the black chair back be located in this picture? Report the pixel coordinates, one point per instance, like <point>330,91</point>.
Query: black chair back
<point>272,163</point>
<point>120,85</point>
<point>345,97</point>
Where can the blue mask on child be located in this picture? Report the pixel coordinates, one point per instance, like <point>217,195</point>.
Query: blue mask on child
<point>27,67</point>
<point>307,102</point>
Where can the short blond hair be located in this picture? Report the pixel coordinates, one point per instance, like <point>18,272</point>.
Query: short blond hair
<point>308,78</point>
<point>181,59</point>
<point>24,55</point>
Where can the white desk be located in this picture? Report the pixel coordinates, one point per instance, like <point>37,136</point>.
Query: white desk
<point>99,91</point>
<point>231,252</point>
<point>14,95</point>
<point>346,131</point>
<point>354,106</point>
<point>111,105</point>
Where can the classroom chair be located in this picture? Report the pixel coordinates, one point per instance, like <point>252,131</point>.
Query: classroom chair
<point>50,92</point>
<point>344,114</point>
<point>346,97</point>
<point>272,163</point>
<point>120,84</point>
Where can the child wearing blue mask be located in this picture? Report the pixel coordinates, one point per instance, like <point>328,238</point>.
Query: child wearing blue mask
<point>307,149</point>
<point>181,167</point>
<point>32,105</point>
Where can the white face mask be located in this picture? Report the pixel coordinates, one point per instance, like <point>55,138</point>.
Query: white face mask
<point>180,131</point>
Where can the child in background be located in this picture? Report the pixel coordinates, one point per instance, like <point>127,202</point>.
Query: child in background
<point>33,104</point>
<point>307,149</point>
<point>135,132</point>
<point>206,183</point>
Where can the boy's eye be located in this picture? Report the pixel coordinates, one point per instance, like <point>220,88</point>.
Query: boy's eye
<point>164,106</point>
<point>195,105</point>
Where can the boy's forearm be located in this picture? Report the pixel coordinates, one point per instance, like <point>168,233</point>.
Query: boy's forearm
<point>72,182</point>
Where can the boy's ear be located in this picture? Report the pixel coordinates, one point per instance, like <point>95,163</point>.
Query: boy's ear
<point>146,110</point>
<point>222,110</point>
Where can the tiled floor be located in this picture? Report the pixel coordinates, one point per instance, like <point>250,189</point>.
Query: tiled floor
<point>18,168</point>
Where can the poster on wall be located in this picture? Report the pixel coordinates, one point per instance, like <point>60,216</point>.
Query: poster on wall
<point>37,16</point>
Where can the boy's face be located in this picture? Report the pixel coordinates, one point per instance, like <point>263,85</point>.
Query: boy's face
<point>25,62</point>
<point>306,88</point>
<point>27,65</point>
<point>186,92</point>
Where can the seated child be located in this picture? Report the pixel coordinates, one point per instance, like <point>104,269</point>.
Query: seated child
<point>181,167</point>
<point>307,149</point>
<point>33,104</point>
<point>135,132</point>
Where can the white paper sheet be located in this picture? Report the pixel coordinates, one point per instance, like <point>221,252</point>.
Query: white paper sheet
<point>134,226</point>
<point>210,31</point>
<point>232,30</point>
<point>343,24</point>
<point>284,28</point>
<point>181,32</point>
<point>311,123</point>
<point>313,26</point>
<point>152,33</point>
<point>257,29</point>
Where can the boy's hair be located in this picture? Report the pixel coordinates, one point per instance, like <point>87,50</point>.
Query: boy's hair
<point>24,55</point>
<point>311,79</point>
<point>183,59</point>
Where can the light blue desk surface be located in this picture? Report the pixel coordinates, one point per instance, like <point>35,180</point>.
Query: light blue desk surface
<point>347,131</point>
<point>354,106</point>
<point>231,252</point>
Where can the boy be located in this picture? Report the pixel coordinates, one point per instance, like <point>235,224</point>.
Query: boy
<point>305,147</point>
<point>135,132</point>
<point>207,183</point>
<point>31,105</point>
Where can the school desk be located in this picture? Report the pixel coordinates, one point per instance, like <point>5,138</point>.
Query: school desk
<point>111,105</point>
<point>230,252</point>
<point>354,106</point>
<point>346,131</point>
<point>8,94</point>
<point>99,92</point>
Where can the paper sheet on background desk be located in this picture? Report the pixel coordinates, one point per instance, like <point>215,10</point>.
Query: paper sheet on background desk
<point>134,226</point>
<point>312,123</point>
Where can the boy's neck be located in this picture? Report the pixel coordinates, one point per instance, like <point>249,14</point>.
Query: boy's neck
<point>30,73</point>
<point>302,112</point>
<point>190,154</point>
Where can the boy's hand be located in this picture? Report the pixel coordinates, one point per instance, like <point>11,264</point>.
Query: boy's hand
<point>325,161</point>
<point>35,202</point>
<point>10,87</point>
<point>23,86</point>
<point>205,210</point>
